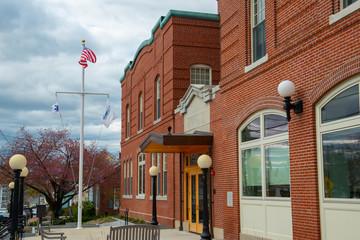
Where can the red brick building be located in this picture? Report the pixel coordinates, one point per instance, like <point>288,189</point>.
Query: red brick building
<point>272,178</point>
<point>184,47</point>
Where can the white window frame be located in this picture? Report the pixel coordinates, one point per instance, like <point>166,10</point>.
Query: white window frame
<point>261,143</point>
<point>158,178</point>
<point>157,100</point>
<point>141,167</point>
<point>201,67</point>
<point>344,11</point>
<point>256,224</point>
<point>124,185</point>
<point>345,208</point>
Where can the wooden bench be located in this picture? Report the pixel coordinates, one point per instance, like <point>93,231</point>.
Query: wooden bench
<point>46,223</point>
<point>135,232</point>
<point>48,235</point>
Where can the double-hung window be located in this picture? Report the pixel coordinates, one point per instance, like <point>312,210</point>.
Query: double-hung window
<point>160,160</point>
<point>141,174</point>
<point>258,30</point>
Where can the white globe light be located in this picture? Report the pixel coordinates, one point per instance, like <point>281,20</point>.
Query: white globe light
<point>24,172</point>
<point>11,185</point>
<point>204,161</point>
<point>17,162</point>
<point>154,171</point>
<point>286,88</point>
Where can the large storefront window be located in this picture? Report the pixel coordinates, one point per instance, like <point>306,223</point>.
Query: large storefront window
<point>338,136</point>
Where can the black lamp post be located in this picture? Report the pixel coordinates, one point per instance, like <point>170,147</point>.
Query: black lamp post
<point>23,175</point>
<point>204,162</point>
<point>11,187</point>
<point>154,171</point>
<point>17,163</point>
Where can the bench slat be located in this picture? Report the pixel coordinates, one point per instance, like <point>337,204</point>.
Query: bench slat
<point>135,232</point>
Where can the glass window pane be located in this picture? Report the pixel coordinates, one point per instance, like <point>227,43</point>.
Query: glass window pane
<point>344,105</point>
<point>251,131</point>
<point>259,46</point>
<point>348,2</point>
<point>341,154</point>
<point>277,170</point>
<point>275,124</point>
<point>251,172</point>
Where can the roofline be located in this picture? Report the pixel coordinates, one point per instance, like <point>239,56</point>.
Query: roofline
<point>162,23</point>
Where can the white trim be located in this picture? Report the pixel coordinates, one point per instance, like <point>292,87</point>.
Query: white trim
<point>127,196</point>
<point>126,139</point>
<point>160,198</point>
<point>140,197</point>
<point>140,131</point>
<point>256,64</point>
<point>157,121</point>
<point>344,12</point>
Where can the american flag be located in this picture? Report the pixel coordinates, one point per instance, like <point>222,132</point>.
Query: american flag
<point>87,55</point>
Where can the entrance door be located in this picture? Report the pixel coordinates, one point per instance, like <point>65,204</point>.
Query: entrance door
<point>195,200</point>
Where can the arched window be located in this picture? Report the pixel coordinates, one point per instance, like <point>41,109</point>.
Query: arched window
<point>338,137</point>
<point>264,145</point>
<point>141,110</point>
<point>158,101</point>
<point>127,121</point>
<point>141,174</point>
<point>265,175</point>
<point>200,74</point>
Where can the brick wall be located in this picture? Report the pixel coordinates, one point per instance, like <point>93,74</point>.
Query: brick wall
<point>301,47</point>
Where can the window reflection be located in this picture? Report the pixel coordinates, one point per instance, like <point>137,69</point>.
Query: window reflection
<point>341,153</point>
<point>277,170</point>
<point>251,172</point>
<point>275,124</point>
<point>251,131</point>
<point>344,105</point>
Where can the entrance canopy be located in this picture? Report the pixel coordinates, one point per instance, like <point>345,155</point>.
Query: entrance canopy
<point>176,143</point>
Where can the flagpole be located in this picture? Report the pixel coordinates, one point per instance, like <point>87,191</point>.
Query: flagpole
<point>79,225</point>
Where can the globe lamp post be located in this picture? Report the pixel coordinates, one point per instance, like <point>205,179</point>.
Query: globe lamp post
<point>154,171</point>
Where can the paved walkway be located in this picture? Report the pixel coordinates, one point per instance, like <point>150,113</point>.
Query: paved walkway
<point>99,233</point>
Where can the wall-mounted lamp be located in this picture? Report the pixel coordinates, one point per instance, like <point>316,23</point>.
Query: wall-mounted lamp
<point>286,89</point>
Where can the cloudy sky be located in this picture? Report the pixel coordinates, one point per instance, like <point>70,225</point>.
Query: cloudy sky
<point>40,45</point>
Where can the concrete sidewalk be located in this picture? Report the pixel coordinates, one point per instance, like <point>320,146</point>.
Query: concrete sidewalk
<point>99,233</point>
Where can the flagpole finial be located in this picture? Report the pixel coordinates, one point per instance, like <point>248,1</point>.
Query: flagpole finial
<point>83,40</point>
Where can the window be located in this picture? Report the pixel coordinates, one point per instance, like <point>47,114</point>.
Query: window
<point>127,121</point>
<point>5,199</point>
<point>200,74</point>
<point>340,144</point>
<point>131,176</point>
<point>157,109</point>
<point>141,112</point>
<point>160,160</point>
<point>164,174</point>
<point>346,7</point>
<point>346,3</point>
<point>264,154</point>
<point>128,177</point>
<point>125,178</point>
<point>141,174</point>
<point>258,30</point>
